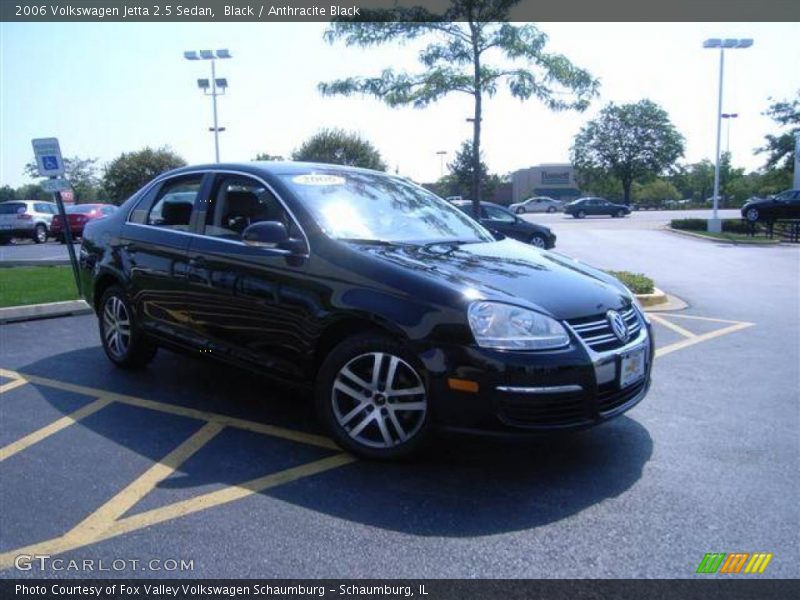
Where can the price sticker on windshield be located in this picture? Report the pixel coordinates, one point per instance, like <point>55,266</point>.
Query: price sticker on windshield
<point>318,179</point>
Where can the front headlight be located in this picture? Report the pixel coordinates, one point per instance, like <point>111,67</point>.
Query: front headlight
<point>507,327</point>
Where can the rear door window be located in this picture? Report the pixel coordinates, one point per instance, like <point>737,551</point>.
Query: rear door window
<point>12,208</point>
<point>174,203</point>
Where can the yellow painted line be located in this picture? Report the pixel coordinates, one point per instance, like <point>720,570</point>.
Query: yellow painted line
<point>76,538</point>
<point>11,385</point>
<point>48,430</point>
<point>701,338</point>
<point>696,318</point>
<point>670,325</point>
<point>192,413</point>
<point>104,517</point>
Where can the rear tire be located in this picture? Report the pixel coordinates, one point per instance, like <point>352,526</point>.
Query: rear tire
<point>40,234</point>
<point>123,342</point>
<point>581,214</point>
<point>520,211</point>
<point>372,398</point>
<point>552,209</point>
<point>620,214</point>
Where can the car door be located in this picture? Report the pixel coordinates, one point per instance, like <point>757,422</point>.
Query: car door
<point>249,303</point>
<point>152,249</point>
<point>788,205</point>
<point>497,219</point>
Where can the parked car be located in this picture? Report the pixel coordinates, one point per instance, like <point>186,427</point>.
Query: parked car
<point>404,314</point>
<point>78,216</point>
<point>785,205</point>
<point>26,219</point>
<point>499,219</point>
<point>536,204</point>
<point>583,207</point>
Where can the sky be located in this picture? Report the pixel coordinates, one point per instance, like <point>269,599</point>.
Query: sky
<point>108,88</point>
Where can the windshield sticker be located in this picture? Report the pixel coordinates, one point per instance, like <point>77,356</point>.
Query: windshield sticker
<point>318,179</point>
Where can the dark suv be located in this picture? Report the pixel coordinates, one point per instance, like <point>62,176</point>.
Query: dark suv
<point>404,312</point>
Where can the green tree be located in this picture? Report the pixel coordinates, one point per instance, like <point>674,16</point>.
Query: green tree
<point>131,170</point>
<point>658,189</point>
<point>32,191</point>
<point>632,142</point>
<point>462,171</point>
<point>7,193</point>
<point>780,148</point>
<point>339,147</point>
<point>82,174</point>
<point>472,49</point>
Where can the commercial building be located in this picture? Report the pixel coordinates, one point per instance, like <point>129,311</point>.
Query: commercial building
<point>556,180</point>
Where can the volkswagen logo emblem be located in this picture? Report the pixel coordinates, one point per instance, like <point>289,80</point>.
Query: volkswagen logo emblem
<point>618,325</point>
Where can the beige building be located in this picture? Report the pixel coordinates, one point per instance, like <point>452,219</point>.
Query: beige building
<point>556,180</point>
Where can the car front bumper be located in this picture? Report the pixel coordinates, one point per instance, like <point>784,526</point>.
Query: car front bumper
<point>533,392</point>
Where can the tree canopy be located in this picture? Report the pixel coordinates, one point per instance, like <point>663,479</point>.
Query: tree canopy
<point>339,147</point>
<point>131,170</point>
<point>472,49</point>
<point>780,148</point>
<point>632,142</point>
<point>82,174</point>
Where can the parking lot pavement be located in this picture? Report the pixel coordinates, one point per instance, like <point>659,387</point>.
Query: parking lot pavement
<point>639,219</point>
<point>195,461</point>
<point>28,250</point>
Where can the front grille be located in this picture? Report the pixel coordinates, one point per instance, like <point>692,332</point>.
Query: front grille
<point>554,409</point>
<point>610,398</point>
<point>596,331</point>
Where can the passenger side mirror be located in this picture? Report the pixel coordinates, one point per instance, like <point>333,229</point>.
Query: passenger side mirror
<point>497,235</point>
<point>265,234</point>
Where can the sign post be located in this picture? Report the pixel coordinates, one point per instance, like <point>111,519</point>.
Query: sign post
<point>797,161</point>
<point>50,164</point>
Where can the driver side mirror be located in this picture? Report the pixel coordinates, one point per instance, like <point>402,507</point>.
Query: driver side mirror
<point>272,234</point>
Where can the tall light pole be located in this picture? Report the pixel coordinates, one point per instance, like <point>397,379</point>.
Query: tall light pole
<point>728,117</point>
<point>441,154</point>
<point>214,86</point>
<point>714,224</point>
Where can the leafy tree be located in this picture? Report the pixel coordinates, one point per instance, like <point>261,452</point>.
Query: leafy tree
<point>131,170</point>
<point>80,172</point>
<point>658,189</point>
<point>7,193</point>
<point>632,142</point>
<point>463,41</point>
<point>462,171</point>
<point>265,156</point>
<point>339,147</point>
<point>780,148</point>
<point>32,191</point>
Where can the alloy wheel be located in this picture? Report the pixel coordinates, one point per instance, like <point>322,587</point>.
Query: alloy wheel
<point>379,400</point>
<point>752,214</point>
<point>538,241</point>
<point>116,327</point>
<point>40,235</point>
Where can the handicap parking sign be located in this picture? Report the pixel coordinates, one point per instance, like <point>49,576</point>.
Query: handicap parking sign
<point>50,163</point>
<point>48,157</point>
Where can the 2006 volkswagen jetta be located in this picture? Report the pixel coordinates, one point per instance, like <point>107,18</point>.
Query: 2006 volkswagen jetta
<point>406,314</point>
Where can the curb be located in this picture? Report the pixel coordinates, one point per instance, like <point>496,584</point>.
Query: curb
<point>44,311</point>
<point>660,301</point>
<point>32,262</point>
<point>718,241</point>
<point>647,300</point>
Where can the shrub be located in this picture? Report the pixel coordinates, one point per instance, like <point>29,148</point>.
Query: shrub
<point>689,224</point>
<point>635,282</point>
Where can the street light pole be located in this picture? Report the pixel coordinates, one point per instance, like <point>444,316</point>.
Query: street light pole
<point>714,224</point>
<point>215,85</point>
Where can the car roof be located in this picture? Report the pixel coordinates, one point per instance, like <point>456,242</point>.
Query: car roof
<point>275,168</point>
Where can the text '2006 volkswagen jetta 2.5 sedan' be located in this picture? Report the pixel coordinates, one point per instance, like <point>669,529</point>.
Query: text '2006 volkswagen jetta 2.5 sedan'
<point>405,313</point>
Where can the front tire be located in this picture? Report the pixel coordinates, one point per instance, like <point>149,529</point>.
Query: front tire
<point>520,211</point>
<point>539,241</point>
<point>620,214</point>
<point>123,342</point>
<point>372,398</point>
<point>40,234</point>
<point>552,209</point>
<point>581,214</point>
<point>752,215</point>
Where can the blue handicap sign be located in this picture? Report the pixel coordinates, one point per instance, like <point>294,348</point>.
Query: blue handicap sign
<point>50,163</point>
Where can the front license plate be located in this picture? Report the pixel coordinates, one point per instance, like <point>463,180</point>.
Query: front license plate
<point>632,367</point>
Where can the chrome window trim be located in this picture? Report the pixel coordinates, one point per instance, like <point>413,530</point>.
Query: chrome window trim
<point>145,190</point>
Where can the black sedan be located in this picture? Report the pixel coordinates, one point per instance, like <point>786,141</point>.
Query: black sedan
<point>583,207</point>
<point>402,313</point>
<point>499,219</point>
<point>785,205</point>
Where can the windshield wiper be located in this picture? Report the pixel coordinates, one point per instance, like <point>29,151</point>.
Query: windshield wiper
<point>369,241</point>
<point>450,243</point>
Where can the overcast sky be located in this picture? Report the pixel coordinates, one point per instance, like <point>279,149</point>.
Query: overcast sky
<point>107,88</point>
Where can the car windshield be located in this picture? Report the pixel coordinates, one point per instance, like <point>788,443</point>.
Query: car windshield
<point>378,208</point>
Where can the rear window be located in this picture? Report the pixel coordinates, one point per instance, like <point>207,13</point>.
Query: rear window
<point>12,208</point>
<point>81,209</point>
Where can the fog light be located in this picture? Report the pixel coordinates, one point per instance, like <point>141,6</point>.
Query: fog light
<point>463,385</point>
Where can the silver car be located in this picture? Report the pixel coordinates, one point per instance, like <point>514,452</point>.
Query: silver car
<point>26,219</point>
<point>536,204</point>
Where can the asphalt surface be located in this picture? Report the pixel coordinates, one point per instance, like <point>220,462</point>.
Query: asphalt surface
<point>708,462</point>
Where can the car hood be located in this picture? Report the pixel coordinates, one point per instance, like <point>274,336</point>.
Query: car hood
<point>759,202</point>
<point>513,272</point>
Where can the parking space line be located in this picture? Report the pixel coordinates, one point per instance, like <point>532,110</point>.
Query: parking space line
<point>670,325</point>
<point>192,413</point>
<point>54,427</point>
<point>702,338</point>
<point>11,385</point>
<point>77,538</point>
<point>696,318</point>
<point>106,515</point>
